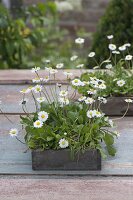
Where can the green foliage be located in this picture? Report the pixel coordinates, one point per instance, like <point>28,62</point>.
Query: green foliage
<point>13,46</point>
<point>82,133</point>
<point>34,36</point>
<point>111,77</point>
<point>117,20</point>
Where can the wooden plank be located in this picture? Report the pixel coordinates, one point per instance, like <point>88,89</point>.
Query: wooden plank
<point>25,76</point>
<point>13,160</point>
<point>68,189</point>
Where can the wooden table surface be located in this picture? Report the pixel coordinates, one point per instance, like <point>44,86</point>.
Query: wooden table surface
<point>13,160</point>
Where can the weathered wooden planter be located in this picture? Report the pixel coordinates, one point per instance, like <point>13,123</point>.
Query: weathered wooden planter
<point>61,160</point>
<point>117,106</point>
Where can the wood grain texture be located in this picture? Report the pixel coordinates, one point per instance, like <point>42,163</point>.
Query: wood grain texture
<point>68,189</point>
<point>13,160</point>
<point>25,76</point>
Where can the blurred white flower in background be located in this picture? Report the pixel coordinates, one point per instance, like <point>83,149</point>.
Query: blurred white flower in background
<point>128,57</point>
<point>68,5</point>
<point>91,54</point>
<point>112,47</point>
<point>79,40</point>
<point>63,6</point>
<point>110,37</point>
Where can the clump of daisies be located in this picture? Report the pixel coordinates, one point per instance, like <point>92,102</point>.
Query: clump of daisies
<point>62,117</point>
<point>118,74</point>
<point>59,120</point>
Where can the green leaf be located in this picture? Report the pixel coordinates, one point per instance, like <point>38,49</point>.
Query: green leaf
<point>49,138</point>
<point>111,150</point>
<point>108,139</point>
<point>26,121</point>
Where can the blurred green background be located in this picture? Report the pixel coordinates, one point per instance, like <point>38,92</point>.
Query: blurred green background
<point>32,33</point>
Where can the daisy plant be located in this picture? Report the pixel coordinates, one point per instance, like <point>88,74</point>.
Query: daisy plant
<point>117,72</point>
<point>59,121</point>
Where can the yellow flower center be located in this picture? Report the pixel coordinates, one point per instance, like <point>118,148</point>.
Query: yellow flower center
<point>43,116</point>
<point>38,123</point>
<point>63,142</point>
<point>76,81</point>
<point>13,132</point>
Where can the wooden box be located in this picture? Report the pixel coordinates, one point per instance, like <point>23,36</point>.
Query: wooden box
<point>61,160</point>
<point>116,106</point>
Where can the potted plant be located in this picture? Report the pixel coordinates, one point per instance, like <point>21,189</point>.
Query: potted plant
<point>61,133</point>
<point>117,76</point>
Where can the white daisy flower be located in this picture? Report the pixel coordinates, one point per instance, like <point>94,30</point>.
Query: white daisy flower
<point>110,37</point>
<point>46,79</point>
<point>112,47</point>
<point>63,93</point>
<point>73,58</point>
<point>128,57</point>
<point>35,69</point>
<point>127,45</point>
<point>25,91</point>
<point>90,113</point>
<point>13,132</point>
<point>82,98</point>
<point>53,71</point>
<point>102,100</point>
<point>91,54</point>
<point>63,143</point>
<point>102,86</point>
<point>38,124</point>
<point>60,65</point>
<point>63,101</point>
<point>37,88</point>
<point>68,74</point>
<point>65,133</point>
<point>91,91</point>
<point>76,82</point>
<point>42,116</point>
<point>120,83</point>
<point>129,100</point>
<point>79,41</point>
<point>36,80</point>
<point>40,99</point>
<point>80,66</point>
<point>122,48</point>
<point>97,113</point>
<point>109,66</point>
<point>47,61</point>
<point>89,100</point>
